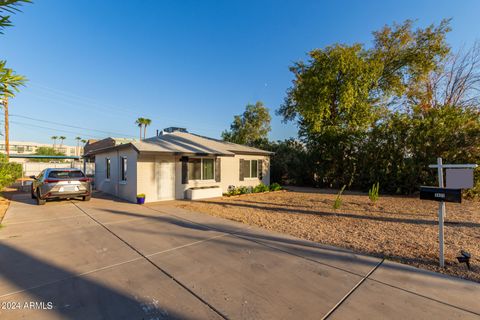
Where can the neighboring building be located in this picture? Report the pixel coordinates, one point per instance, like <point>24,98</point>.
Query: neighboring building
<point>22,147</point>
<point>94,145</point>
<point>178,165</point>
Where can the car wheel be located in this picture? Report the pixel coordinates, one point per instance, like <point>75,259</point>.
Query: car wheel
<point>86,198</point>
<point>33,193</point>
<point>40,201</point>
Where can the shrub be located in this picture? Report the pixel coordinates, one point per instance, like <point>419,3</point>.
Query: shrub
<point>261,188</point>
<point>338,201</point>
<point>242,190</point>
<point>474,193</point>
<point>373,193</point>
<point>275,187</point>
<point>9,171</point>
<point>47,151</point>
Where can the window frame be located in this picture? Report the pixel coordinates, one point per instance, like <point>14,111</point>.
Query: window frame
<point>123,169</point>
<point>250,168</point>
<point>256,169</point>
<point>202,168</point>
<point>108,168</point>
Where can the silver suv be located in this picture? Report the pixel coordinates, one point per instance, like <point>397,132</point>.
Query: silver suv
<point>60,184</point>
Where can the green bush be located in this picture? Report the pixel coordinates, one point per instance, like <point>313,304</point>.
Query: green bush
<point>235,191</point>
<point>47,151</point>
<point>275,187</point>
<point>260,188</point>
<point>373,193</point>
<point>242,190</point>
<point>9,172</point>
<point>290,164</point>
<point>474,193</point>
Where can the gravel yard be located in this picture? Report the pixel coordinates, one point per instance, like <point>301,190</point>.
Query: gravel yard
<point>402,229</point>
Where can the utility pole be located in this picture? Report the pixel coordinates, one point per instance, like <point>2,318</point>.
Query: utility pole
<point>7,142</point>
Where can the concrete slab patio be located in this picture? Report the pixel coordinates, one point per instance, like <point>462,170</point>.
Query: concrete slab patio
<point>107,259</point>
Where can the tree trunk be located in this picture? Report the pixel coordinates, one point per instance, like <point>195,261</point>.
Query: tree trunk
<point>7,141</point>
<point>144,131</point>
<point>140,132</point>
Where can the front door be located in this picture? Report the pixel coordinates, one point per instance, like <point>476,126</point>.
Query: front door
<point>165,173</point>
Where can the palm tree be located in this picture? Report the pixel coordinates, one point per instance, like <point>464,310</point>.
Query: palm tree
<point>9,81</point>
<point>84,141</point>
<point>61,140</point>
<point>78,144</point>
<point>54,138</point>
<point>7,8</point>
<point>146,123</point>
<point>9,84</point>
<point>139,123</point>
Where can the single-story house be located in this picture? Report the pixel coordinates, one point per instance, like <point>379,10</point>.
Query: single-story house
<point>178,165</point>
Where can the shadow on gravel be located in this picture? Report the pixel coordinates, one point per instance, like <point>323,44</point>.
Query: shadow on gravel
<point>348,215</point>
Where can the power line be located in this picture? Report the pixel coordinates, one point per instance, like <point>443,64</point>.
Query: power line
<point>53,129</point>
<point>75,99</point>
<point>70,126</point>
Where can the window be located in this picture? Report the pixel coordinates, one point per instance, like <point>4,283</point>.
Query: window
<point>67,174</point>
<point>201,169</point>
<point>207,169</point>
<point>107,166</point>
<point>250,168</point>
<point>254,171</point>
<point>124,168</point>
<point>246,168</point>
<point>194,169</point>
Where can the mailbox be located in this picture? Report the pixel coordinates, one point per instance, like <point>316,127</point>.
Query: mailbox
<point>441,194</point>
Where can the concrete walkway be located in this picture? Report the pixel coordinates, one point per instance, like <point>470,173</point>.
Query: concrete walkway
<point>106,259</point>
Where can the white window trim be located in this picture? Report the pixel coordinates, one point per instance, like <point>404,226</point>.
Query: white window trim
<point>201,171</point>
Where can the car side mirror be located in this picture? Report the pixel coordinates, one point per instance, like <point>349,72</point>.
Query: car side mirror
<point>33,177</point>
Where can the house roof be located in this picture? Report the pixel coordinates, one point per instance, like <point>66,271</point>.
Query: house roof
<point>188,143</point>
<point>93,146</point>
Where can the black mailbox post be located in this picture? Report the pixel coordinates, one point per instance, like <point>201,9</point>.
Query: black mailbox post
<point>441,194</point>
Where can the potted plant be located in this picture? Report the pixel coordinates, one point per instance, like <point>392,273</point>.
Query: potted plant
<point>141,198</point>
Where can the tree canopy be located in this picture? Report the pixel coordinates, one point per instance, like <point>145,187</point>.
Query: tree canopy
<point>382,113</point>
<point>349,86</point>
<point>250,128</point>
<point>47,151</point>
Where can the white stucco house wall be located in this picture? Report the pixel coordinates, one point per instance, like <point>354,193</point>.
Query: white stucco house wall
<point>178,165</point>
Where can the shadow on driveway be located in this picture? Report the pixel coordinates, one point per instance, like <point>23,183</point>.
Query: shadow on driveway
<point>72,297</point>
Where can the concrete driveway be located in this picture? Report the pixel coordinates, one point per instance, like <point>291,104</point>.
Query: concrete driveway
<point>106,259</point>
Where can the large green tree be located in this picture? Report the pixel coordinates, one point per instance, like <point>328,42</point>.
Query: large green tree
<point>349,86</point>
<point>384,113</point>
<point>250,128</point>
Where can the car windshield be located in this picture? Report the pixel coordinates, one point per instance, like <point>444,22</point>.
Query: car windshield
<point>66,174</point>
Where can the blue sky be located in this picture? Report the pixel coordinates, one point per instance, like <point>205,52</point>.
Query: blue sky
<point>101,64</point>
